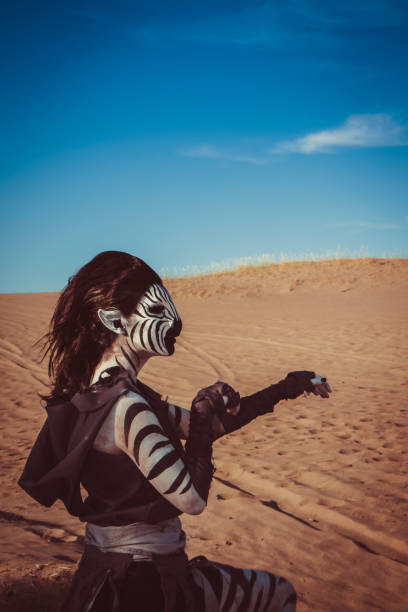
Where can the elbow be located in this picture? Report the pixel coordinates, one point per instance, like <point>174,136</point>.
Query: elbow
<point>196,506</point>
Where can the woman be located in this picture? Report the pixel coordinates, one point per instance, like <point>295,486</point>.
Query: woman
<point>110,433</point>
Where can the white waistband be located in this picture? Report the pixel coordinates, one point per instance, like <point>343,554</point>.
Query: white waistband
<point>139,539</point>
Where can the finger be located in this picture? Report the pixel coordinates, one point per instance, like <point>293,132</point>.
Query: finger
<point>321,390</point>
<point>234,410</point>
<point>326,391</point>
<point>327,387</point>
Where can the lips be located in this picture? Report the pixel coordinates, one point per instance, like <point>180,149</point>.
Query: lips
<point>170,341</point>
<point>173,332</point>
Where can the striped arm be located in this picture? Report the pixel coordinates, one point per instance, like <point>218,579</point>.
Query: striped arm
<point>180,419</point>
<point>140,435</point>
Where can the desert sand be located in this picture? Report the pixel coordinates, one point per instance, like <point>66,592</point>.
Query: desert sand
<point>316,491</point>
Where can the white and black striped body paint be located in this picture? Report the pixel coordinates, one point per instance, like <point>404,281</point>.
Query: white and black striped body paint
<point>223,587</point>
<point>151,330</point>
<point>155,324</point>
<point>140,435</point>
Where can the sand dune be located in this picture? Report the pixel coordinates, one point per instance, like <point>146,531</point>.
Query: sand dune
<point>317,491</point>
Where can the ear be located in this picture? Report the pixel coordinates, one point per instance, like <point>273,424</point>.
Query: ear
<point>112,319</point>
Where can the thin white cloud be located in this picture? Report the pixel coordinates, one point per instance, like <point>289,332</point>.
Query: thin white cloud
<point>377,130</point>
<point>358,131</point>
<point>210,152</point>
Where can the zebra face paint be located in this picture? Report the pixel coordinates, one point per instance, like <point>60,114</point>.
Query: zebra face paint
<point>154,326</point>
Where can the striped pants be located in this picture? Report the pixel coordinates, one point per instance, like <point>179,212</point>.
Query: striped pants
<point>216,588</point>
<point>224,587</point>
<point>211,587</point>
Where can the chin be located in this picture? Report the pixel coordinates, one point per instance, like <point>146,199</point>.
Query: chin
<point>170,343</point>
<point>170,350</point>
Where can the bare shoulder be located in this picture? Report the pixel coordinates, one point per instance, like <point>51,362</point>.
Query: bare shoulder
<point>107,438</point>
<point>131,410</point>
<point>127,400</point>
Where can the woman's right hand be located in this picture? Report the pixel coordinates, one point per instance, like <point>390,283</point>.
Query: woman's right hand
<point>306,381</point>
<point>321,386</point>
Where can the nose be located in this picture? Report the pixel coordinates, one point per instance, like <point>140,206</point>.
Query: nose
<point>177,325</point>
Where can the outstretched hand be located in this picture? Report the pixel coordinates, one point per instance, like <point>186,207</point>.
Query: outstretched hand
<point>321,386</point>
<point>304,381</point>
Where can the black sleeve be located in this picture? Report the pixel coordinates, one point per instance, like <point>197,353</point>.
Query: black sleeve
<point>199,442</point>
<point>265,400</point>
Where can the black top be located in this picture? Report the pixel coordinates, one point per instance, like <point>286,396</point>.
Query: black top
<point>62,458</point>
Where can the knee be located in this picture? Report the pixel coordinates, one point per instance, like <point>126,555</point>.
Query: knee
<point>284,599</point>
<point>289,604</point>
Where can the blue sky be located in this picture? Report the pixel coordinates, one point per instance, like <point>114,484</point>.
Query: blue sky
<point>192,132</point>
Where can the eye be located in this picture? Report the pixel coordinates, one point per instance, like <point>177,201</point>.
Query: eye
<point>156,309</point>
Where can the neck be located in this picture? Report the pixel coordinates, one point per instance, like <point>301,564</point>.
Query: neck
<point>120,354</point>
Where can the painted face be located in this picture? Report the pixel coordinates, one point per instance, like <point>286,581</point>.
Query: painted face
<point>155,324</point>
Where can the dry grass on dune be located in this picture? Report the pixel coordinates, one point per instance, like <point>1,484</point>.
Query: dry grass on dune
<point>316,491</point>
<point>344,274</point>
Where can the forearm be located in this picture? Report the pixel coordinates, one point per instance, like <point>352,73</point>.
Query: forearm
<point>265,400</point>
<point>199,448</point>
<point>254,405</point>
<point>180,419</point>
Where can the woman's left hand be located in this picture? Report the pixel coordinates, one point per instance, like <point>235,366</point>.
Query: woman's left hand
<point>321,386</point>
